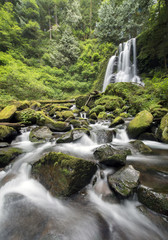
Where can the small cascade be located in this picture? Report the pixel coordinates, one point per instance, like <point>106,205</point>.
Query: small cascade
<point>83,115</point>
<point>126,65</point>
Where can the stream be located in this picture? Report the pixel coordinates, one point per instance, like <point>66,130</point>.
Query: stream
<point>29,212</point>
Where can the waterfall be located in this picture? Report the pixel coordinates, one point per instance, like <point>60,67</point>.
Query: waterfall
<point>126,65</point>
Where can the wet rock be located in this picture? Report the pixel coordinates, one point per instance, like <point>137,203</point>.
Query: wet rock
<point>7,113</point>
<point>102,115</point>
<point>73,135</point>
<point>40,134</point>
<point>157,201</point>
<point>110,156</point>
<point>63,175</point>
<point>23,105</point>
<point>75,123</point>
<point>124,180</point>
<point>141,147</point>
<point>159,113</point>
<point>162,133</point>
<point>4,144</point>
<point>97,109</point>
<point>139,124</point>
<point>93,116</point>
<point>148,136</point>
<point>116,121</point>
<point>7,133</point>
<point>7,155</point>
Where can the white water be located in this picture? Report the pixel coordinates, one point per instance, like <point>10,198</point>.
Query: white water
<point>29,212</point>
<point>126,70</point>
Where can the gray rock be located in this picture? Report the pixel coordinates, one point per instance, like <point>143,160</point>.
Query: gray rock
<point>4,144</point>
<point>110,156</point>
<point>40,134</point>
<point>141,147</point>
<point>73,135</point>
<point>124,181</point>
<point>157,201</point>
<point>7,155</point>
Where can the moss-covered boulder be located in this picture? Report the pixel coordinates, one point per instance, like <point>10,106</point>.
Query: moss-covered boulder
<point>7,113</point>
<point>162,133</point>
<point>157,201</point>
<point>97,109</point>
<point>159,113</point>
<point>102,116</point>
<point>58,126</point>
<point>110,102</point>
<point>116,121</point>
<point>141,147</point>
<point>73,135</point>
<point>57,108</point>
<point>124,180</point>
<point>81,101</point>
<point>63,175</point>
<point>7,133</point>
<point>67,115</point>
<point>139,124</point>
<point>40,134</point>
<point>75,123</point>
<point>110,156</point>
<point>93,116</point>
<point>7,155</point>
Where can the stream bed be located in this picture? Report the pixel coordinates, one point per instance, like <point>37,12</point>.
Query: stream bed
<point>29,212</point>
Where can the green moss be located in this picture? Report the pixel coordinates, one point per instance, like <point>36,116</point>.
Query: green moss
<point>7,155</point>
<point>75,123</point>
<point>85,108</point>
<point>102,115</point>
<point>93,116</point>
<point>7,113</point>
<point>63,174</point>
<point>140,123</point>
<point>67,114</point>
<point>163,129</point>
<point>6,132</point>
<point>97,109</point>
<point>27,116</point>
<point>23,105</point>
<point>110,102</point>
<point>116,121</point>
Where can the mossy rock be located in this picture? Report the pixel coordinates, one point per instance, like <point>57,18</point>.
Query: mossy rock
<point>81,101</point>
<point>7,113</point>
<point>124,181</point>
<point>67,115</point>
<point>124,115</point>
<point>57,108</point>
<point>141,147</point>
<point>110,156</point>
<point>7,155</point>
<point>85,108</point>
<point>162,133</point>
<point>157,201</point>
<point>139,124</point>
<point>75,123</point>
<point>7,133</point>
<point>58,126</point>
<point>116,121</point>
<point>40,134</point>
<point>93,116</point>
<point>102,115</point>
<point>73,135</point>
<point>63,175</point>
<point>97,109</point>
<point>110,102</point>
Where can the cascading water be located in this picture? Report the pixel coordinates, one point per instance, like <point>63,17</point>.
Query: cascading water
<point>29,211</point>
<point>126,69</point>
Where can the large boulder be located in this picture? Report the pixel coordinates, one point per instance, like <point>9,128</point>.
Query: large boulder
<point>157,201</point>
<point>124,181</point>
<point>139,124</point>
<point>110,156</point>
<point>7,133</point>
<point>81,101</point>
<point>27,116</point>
<point>7,113</point>
<point>110,102</point>
<point>73,135</point>
<point>162,133</point>
<point>63,175</point>
<point>7,155</point>
<point>40,134</point>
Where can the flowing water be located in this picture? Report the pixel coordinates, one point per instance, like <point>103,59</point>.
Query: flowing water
<point>29,212</point>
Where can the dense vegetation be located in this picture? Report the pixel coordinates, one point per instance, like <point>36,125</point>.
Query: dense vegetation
<point>59,49</point>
